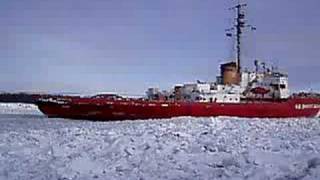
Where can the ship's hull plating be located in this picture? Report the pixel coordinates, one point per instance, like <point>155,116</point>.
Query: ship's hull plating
<point>105,110</point>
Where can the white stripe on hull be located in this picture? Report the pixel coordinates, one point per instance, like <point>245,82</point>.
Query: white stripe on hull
<point>318,114</point>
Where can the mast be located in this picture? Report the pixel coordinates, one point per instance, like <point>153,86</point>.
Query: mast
<point>239,25</point>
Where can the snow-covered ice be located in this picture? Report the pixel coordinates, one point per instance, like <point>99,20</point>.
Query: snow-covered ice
<point>35,147</point>
<point>19,108</point>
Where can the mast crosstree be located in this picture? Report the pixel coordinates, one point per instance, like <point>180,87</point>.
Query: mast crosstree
<point>237,30</point>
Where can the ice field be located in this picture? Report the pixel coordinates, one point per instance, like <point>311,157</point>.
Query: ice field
<point>35,147</point>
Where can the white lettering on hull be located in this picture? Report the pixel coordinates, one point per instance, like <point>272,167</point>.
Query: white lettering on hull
<point>307,106</point>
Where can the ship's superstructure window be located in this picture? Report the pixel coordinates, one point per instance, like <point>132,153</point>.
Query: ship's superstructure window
<point>282,86</point>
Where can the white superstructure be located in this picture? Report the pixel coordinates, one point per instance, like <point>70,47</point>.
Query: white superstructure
<point>263,85</point>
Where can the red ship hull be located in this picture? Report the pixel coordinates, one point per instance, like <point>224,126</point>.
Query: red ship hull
<point>105,110</point>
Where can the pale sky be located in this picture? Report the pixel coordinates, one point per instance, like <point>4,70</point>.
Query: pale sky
<point>129,45</point>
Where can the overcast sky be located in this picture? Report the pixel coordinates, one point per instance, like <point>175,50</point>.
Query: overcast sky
<point>129,45</point>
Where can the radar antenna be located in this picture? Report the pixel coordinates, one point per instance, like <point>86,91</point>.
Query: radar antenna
<point>237,30</point>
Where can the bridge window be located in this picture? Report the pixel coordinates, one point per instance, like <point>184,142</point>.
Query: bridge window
<point>275,86</point>
<point>282,86</point>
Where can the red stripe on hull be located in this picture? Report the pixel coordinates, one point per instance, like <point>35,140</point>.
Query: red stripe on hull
<point>135,109</point>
